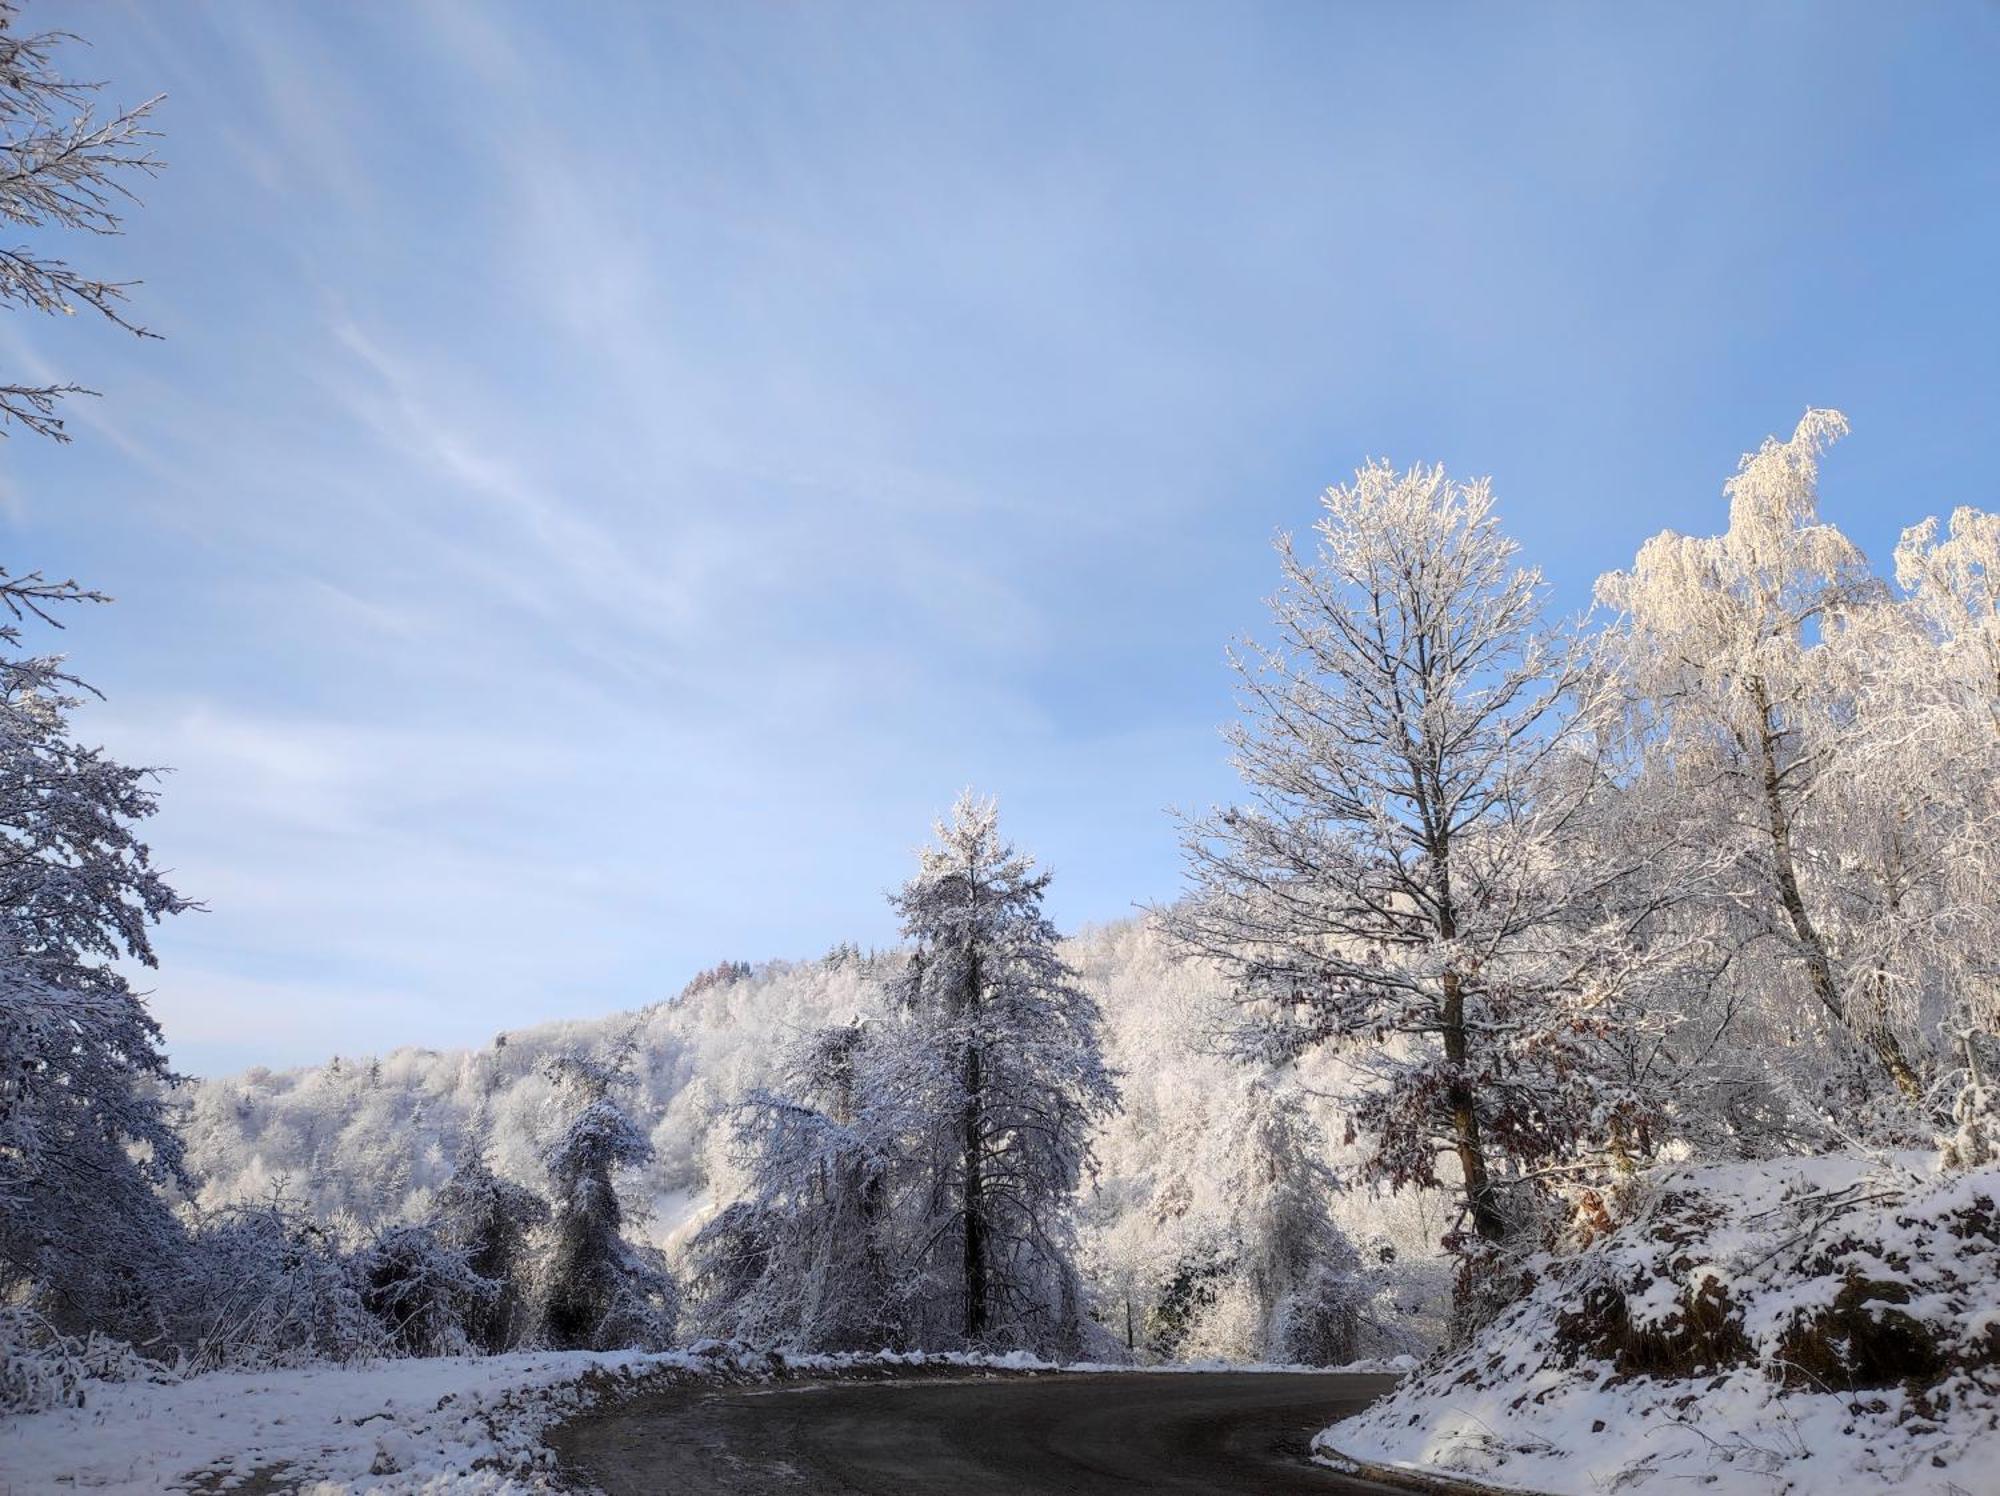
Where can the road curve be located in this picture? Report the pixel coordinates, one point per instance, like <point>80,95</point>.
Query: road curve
<point>1049,1435</point>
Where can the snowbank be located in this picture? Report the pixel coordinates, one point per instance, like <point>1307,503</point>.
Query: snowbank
<point>1798,1326</point>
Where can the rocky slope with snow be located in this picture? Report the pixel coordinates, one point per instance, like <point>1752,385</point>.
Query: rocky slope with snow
<point>1776,1328</point>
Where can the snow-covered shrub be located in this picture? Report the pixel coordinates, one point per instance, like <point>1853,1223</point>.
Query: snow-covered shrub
<point>426,1295</point>
<point>1320,1323</point>
<point>268,1286</point>
<point>41,1367</point>
<point>1842,1310</point>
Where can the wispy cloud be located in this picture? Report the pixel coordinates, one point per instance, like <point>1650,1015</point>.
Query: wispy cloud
<point>612,476</point>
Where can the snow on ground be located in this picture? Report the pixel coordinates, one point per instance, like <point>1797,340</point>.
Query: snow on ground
<point>1799,1326</point>
<point>459,1424</point>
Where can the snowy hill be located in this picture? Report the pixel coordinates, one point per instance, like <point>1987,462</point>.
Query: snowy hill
<point>1791,1326</point>
<point>367,1140</point>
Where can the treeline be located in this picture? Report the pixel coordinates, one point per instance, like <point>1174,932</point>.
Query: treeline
<point>116,1283</point>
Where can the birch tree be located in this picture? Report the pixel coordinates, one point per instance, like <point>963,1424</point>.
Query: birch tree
<point>1936,731</point>
<point>1722,643</point>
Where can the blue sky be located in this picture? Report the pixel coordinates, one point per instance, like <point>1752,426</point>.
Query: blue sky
<point>613,473</point>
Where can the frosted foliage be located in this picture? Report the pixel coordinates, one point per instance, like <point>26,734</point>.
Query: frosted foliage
<point>1954,585</point>
<point>1721,623</point>
<point>998,1057</point>
<point>1238,1256</point>
<point>1413,880</point>
<point>1829,748</point>
<point>83,1138</point>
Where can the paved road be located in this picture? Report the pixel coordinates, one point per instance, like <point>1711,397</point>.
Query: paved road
<point>1051,1435</point>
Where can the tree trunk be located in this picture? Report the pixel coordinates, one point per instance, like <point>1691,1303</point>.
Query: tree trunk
<point>1486,1217</point>
<point>973,1187</point>
<point>975,1204</point>
<point>1784,872</point>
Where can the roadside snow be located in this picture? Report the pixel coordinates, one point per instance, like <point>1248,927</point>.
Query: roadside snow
<point>1798,1326</point>
<point>461,1423</point>
<point>458,1424</point>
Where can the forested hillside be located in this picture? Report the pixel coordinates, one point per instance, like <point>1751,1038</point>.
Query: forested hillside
<point>368,1140</point>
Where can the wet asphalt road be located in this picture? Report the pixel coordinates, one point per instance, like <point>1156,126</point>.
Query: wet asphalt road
<point>1050,1435</point>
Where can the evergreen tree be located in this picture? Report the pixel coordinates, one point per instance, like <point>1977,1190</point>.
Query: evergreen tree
<point>999,1055</point>
<point>600,1291</point>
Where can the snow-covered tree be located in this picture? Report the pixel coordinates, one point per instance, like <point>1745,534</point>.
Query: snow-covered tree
<point>998,1054</point>
<point>1247,1261</point>
<point>83,1136</point>
<point>1410,880</point>
<point>600,1291</point>
<point>810,1257</point>
<point>1728,648</point>
<point>1933,732</point>
<point>493,1223</point>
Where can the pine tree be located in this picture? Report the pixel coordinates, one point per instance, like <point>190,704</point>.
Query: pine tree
<point>999,1055</point>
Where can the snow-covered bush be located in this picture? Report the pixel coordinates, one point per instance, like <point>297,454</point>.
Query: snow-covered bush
<point>41,1367</point>
<point>270,1286</point>
<point>426,1295</point>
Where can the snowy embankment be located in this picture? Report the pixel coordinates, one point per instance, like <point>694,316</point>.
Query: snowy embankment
<point>1797,1326</point>
<point>459,1424</point>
